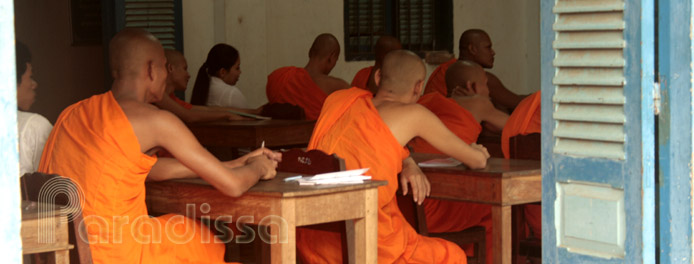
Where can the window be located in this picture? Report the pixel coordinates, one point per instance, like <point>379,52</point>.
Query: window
<point>421,25</point>
<point>163,18</point>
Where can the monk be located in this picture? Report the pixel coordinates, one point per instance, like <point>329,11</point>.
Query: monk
<point>309,86</point>
<point>475,45</point>
<point>371,132</point>
<point>365,77</point>
<point>105,145</point>
<point>462,115</point>
<point>177,79</point>
<point>525,119</point>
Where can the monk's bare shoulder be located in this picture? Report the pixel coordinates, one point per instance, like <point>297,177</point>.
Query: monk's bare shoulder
<point>401,112</point>
<point>330,84</point>
<point>475,103</point>
<point>146,114</point>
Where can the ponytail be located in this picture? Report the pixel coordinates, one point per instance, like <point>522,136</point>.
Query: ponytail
<point>201,89</point>
<point>221,56</point>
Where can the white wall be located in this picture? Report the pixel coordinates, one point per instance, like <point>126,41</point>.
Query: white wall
<point>514,27</point>
<point>274,33</point>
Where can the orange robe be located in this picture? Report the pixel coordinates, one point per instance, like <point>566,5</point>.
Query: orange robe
<point>437,79</point>
<point>93,144</point>
<point>351,127</point>
<point>185,104</point>
<point>451,216</point>
<point>361,80</point>
<point>294,85</point>
<point>456,118</point>
<point>525,119</point>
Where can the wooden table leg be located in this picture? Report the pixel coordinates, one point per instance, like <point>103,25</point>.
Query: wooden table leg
<point>283,251</point>
<point>362,233</point>
<point>501,235</point>
<point>62,257</point>
<point>283,228</point>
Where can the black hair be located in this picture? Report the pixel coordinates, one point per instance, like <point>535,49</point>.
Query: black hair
<point>23,56</point>
<point>221,56</point>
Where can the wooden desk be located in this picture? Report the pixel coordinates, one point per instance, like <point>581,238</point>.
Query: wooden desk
<point>502,183</point>
<point>297,205</point>
<point>250,134</point>
<point>45,232</point>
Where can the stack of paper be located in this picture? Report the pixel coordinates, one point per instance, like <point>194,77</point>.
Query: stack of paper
<point>447,162</point>
<point>340,177</point>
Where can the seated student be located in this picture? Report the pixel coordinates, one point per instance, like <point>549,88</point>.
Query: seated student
<point>215,84</point>
<point>371,132</point>
<point>32,129</point>
<point>105,144</point>
<point>526,119</point>
<point>365,77</point>
<point>475,45</point>
<point>309,86</point>
<point>462,115</point>
<point>177,77</point>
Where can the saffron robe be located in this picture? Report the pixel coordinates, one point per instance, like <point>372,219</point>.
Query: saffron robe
<point>453,216</point>
<point>437,79</point>
<point>351,127</point>
<point>361,79</point>
<point>525,119</point>
<point>456,118</point>
<point>185,104</point>
<point>94,144</point>
<point>294,85</point>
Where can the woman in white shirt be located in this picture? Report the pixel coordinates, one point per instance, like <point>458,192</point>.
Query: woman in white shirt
<point>215,84</point>
<point>33,129</point>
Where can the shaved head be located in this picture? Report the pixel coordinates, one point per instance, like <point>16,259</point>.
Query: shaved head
<point>462,72</point>
<point>476,45</point>
<point>323,46</point>
<point>131,51</point>
<point>402,70</point>
<point>177,69</point>
<point>471,36</point>
<point>384,45</point>
<point>173,57</point>
<point>138,64</point>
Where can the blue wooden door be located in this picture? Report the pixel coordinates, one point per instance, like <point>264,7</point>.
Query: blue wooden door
<point>675,128</point>
<point>598,131</point>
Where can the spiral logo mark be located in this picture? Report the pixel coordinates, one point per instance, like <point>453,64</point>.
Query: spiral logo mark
<point>47,207</point>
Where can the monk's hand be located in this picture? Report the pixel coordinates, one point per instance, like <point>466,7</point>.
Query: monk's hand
<point>467,90</point>
<point>266,168</point>
<point>272,155</point>
<point>417,180</point>
<point>480,148</point>
<point>235,117</point>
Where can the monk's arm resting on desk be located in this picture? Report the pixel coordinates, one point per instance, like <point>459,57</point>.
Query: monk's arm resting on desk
<point>429,127</point>
<point>416,178</point>
<point>194,115</point>
<point>171,134</point>
<point>221,108</point>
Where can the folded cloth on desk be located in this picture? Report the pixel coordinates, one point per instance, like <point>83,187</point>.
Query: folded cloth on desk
<point>340,177</point>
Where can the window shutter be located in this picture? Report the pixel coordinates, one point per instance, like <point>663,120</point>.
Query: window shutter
<point>415,25</point>
<point>158,17</point>
<point>589,79</point>
<point>365,22</point>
